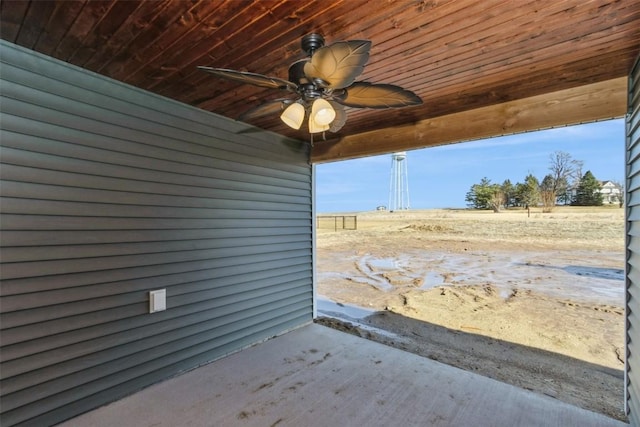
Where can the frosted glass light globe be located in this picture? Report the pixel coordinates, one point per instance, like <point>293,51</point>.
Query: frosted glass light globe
<point>322,112</point>
<point>293,116</point>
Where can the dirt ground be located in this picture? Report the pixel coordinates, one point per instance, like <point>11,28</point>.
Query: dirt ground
<point>531,299</point>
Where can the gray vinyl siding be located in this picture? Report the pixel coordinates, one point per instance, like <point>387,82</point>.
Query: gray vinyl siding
<point>633,249</point>
<point>109,192</point>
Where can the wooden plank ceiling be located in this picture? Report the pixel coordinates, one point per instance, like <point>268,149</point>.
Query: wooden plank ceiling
<point>459,56</point>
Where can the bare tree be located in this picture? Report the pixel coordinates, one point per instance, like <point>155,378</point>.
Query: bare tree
<point>497,200</point>
<point>563,170</point>
<point>577,171</point>
<point>621,194</point>
<point>548,194</point>
<point>548,200</point>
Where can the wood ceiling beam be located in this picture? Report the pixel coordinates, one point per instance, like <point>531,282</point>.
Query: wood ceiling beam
<point>597,101</point>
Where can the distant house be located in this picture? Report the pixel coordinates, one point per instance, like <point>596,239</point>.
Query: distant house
<point>611,192</point>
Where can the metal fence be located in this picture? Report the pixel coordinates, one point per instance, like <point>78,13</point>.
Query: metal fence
<point>337,222</point>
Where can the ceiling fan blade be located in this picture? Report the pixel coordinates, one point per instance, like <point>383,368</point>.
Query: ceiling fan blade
<point>369,95</point>
<point>341,117</point>
<point>336,66</point>
<point>265,109</point>
<point>251,78</point>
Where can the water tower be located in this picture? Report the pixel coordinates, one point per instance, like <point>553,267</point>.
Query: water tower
<point>399,188</point>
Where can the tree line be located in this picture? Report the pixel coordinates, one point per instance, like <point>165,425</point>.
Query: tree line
<point>565,184</point>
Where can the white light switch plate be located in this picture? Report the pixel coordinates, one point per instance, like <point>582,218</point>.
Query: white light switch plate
<point>157,300</point>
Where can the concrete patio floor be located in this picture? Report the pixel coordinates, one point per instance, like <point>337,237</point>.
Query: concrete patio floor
<point>317,376</point>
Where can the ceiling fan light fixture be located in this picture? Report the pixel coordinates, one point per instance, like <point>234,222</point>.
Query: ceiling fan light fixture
<point>315,127</point>
<point>322,112</point>
<point>293,116</point>
<point>324,84</point>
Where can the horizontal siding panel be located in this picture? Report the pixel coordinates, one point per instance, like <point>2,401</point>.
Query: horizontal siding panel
<point>39,168</point>
<point>633,365</point>
<point>13,205</point>
<point>124,341</point>
<point>57,111</point>
<point>634,182</point>
<point>74,287</point>
<point>9,352</point>
<point>632,360</point>
<point>634,294</point>
<point>176,284</point>
<point>170,162</point>
<point>633,274</point>
<point>39,371</point>
<point>123,97</point>
<point>633,304</point>
<point>267,329</point>
<point>633,151</point>
<point>159,368</point>
<point>179,287</point>
<point>251,253</point>
<point>106,296</point>
<point>78,237</point>
<point>634,406</point>
<point>64,324</point>
<point>633,230</point>
<point>632,374</point>
<point>634,97</point>
<point>633,213</point>
<point>633,244</point>
<point>75,194</point>
<point>633,123</point>
<point>124,366</point>
<point>634,132</point>
<point>41,253</point>
<point>630,297</point>
<point>109,192</point>
<point>52,222</point>
<point>633,120</point>
<point>633,170</point>
<point>634,199</point>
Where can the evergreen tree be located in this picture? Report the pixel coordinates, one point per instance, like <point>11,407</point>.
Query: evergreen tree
<point>547,184</point>
<point>528,194</point>
<point>588,191</point>
<point>564,196</point>
<point>483,195</point>
<point>509,192</point>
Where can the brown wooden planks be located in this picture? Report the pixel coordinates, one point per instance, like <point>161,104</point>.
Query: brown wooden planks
<point>456,55</point>
<point>12,13</point>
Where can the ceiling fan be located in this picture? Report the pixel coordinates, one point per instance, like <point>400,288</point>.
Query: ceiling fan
<point>323,84</point>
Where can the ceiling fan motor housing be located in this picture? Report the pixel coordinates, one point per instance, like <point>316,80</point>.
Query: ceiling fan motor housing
<point>307,89</point>
<point>296,72</point>
<point>312,42</point>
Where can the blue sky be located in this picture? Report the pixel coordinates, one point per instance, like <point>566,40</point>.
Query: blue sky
<point>440,177</point>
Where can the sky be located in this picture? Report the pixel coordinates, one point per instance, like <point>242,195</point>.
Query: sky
<point>440,177</point>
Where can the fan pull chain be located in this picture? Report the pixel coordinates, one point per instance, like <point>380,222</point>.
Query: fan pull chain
<point>324,137</point>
